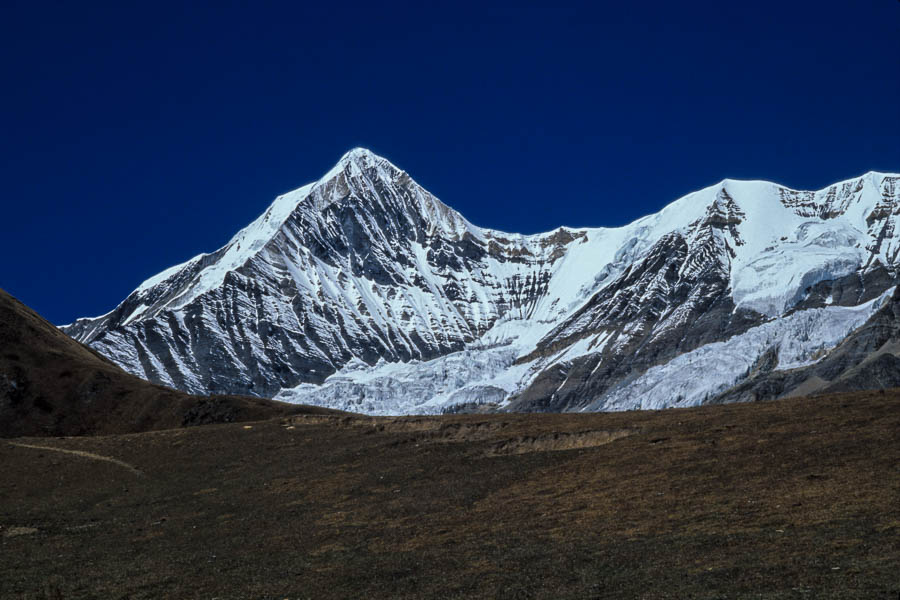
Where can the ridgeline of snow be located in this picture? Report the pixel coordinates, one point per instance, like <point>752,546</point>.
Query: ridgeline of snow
<point>367,284</point>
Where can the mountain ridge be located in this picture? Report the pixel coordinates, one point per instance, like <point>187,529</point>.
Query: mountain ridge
<point>366,267</point>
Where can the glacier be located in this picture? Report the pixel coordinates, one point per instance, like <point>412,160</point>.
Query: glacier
<point>488,375</point>
<point>799,339</point>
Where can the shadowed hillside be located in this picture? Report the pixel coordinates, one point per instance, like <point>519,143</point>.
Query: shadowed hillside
<point>52,385</point>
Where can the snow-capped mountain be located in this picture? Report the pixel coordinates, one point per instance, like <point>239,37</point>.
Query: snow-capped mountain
<point>363,291</point>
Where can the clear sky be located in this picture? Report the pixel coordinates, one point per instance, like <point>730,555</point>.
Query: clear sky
<point>135,137</point>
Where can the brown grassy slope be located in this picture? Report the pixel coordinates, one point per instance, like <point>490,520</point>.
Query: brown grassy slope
<point>797,498</point>
<point>52,385</point>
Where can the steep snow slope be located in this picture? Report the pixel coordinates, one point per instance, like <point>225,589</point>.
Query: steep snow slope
<point>365,281</point>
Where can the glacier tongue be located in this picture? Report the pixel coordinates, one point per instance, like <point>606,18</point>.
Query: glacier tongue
<point>483,373</point>
<point>467,376</point>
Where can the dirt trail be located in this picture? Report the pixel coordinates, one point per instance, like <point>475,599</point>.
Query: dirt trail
<point>81,453</point>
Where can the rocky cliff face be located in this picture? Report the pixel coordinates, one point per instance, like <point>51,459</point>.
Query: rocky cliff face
<point>364,291</point>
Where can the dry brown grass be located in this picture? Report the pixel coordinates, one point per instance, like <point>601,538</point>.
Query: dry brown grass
<point>797,498</point>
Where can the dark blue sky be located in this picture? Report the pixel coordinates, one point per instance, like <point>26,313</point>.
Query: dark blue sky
<point>136,137</point>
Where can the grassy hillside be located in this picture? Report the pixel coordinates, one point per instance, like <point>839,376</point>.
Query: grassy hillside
<point>797,498</point>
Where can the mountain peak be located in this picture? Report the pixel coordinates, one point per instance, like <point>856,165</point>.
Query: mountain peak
<point>356,159</point>
<point>357,154</point>
<point>361,157</point>
<point>359,169</point>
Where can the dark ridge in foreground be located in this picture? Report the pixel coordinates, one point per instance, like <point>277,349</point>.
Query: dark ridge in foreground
<point>796,498</point>
<point>50,385</point>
